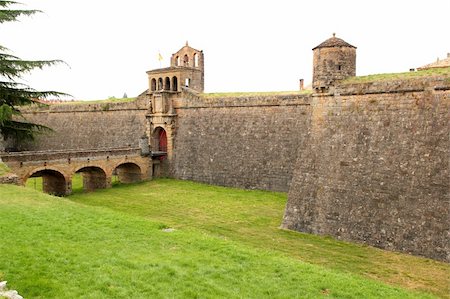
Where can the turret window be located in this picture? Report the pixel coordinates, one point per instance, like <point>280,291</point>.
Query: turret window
<point>195,60</point>
<point>160,84</point>
<point>153,84</point>
<point>186,60</point>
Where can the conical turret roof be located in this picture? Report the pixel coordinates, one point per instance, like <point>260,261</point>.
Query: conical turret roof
<point>334,42</point>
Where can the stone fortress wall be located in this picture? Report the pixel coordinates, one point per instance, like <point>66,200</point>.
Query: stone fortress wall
<point>376,167</point>
<point>89,126</point>
<point>366,162</point>
<point>245,142</point>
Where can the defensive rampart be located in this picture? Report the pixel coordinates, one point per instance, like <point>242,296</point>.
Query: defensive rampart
<point>376,167</point>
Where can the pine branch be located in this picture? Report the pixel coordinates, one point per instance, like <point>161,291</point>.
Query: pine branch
<point>12,15</point>
<point>13,67</point>
<point>14,94</point>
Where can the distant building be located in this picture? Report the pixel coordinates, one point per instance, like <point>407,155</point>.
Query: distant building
<point>439,63</point>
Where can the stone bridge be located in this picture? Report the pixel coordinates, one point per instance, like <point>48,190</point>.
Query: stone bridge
<point>96,166</point>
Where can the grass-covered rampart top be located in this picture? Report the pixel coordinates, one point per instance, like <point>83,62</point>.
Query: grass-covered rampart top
<point>400,76</point>
<point>226,243</point>
<point>104,101</point>
<point>253,94</point>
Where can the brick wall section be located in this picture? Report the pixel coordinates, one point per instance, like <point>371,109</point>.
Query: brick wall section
<point>89,126</point>
<point>240,142</point>
<point>376,167</point>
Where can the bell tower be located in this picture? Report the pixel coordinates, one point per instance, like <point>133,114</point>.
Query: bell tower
<point>186,70</point>
<point>165,85</point>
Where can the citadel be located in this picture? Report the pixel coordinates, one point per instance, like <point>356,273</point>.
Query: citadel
<point>361,160</point>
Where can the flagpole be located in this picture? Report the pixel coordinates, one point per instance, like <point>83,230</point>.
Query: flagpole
<point>159,58</point>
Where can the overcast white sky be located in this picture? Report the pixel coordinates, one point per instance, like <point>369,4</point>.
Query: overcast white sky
<point>260,45</point>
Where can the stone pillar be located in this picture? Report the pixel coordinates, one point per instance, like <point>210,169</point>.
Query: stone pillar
<point>129,173</point>
<point>55,185</point>
<point>144,145</point>
<point>93,180</point>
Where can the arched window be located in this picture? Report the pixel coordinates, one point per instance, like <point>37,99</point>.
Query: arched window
<point>195,60</point>
<point>167,83</point>
<point>160,84</point>
<point>178,61</point>
<point>187,81</point>
<point>186,60</point>
<point>174,83</point>
<point>153,84</point>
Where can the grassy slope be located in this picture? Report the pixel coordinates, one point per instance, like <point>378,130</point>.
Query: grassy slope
<point>250,219</point>
<point>253,218</point>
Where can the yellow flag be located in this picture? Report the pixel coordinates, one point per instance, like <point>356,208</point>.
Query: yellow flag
<point>160,57</point>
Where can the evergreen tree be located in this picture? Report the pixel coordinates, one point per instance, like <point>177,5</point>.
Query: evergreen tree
<point>14,94</point>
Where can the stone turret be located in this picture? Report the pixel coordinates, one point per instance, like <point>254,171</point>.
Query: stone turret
<point>334,60</point>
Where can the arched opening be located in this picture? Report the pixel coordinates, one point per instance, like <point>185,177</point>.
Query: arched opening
<point>167,83</point>
<point>195,60</point>
<point>128,173</point>
<point>187,82</point>
<point>49,181</point>
<point>93,178</point>
<point>178,61</point>
<point>174,83</point>
<point>153,84</point>
<point>160,84</point>
<point>186,60</point>
<point>160,141</point>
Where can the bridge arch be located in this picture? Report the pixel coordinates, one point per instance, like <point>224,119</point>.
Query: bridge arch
<point>128,172</point>
<point>94,177</point>
<point>53,181</point>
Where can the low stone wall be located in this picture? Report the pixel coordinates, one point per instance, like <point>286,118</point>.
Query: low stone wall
<point>9,178</point>
<point>376,168</point>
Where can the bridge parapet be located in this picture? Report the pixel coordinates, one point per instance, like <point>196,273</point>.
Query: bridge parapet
<point>28,156</point>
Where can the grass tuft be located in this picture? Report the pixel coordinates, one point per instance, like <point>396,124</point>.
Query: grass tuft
<point>4,169</point>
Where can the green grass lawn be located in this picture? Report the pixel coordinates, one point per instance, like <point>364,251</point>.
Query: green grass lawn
<point>226,244</point>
